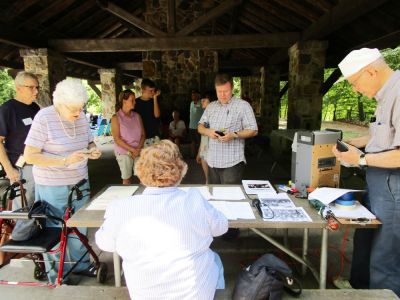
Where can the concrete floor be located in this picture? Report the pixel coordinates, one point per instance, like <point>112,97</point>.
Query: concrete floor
<point>235,254</point>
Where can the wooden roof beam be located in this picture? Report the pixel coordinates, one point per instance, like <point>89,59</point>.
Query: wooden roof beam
<point>171,17</point>
<point>128,17</point>
<point>269,40</point>
<point>210,15</point>
<point>11,64</point>
<point>131,66</point>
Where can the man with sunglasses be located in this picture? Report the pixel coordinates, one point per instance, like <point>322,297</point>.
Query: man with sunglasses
<point>16,116</point>
<point>369,74</point>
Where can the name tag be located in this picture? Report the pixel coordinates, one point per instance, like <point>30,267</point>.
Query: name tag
<point>27,121</point>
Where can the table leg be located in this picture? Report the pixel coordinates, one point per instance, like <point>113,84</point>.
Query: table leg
<point>286,237</point>
<point>117,269</point>
<point>324,259</point>
<point>305,251</point>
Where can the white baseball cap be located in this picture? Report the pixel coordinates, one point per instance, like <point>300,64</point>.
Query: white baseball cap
<point>356,60</point>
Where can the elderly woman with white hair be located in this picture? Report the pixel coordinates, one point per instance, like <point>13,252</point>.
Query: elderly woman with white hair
<point>164,234</point>
<point>58,146</point>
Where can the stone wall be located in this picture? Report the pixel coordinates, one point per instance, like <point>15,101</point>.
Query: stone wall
<point>49,67</point>
<point>270,103</point>
<point>251,91</point>
<point>306,75</point>
<point>178,72</point>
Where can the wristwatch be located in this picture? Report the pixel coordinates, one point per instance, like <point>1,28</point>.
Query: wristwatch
<point>362,161</point>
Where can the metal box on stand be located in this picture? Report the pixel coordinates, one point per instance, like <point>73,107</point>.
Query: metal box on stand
<point>314,163</point>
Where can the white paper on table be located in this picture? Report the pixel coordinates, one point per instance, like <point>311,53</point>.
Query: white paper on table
<point>228,193</point>
<point>257,186</point>
<point>327,195</point>
<point>113,192</point>
<point>203,190</point>
<point>359,211</point>
<point>291,214</point>
<point>234,210</point>
<point>277,200</point>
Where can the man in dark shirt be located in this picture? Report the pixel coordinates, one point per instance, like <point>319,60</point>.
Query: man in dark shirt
<point>147,107</point>
<point>16,117</point>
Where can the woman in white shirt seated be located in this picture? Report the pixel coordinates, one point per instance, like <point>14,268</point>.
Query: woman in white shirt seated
<point>164,234</point>
<point>177,128</point>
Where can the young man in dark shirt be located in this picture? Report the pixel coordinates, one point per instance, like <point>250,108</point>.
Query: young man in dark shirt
<point>16,116</point>
<point>147,107</point>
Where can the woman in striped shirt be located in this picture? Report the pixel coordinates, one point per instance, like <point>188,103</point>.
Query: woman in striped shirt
<point>164,235</point>
<point>58,146</point>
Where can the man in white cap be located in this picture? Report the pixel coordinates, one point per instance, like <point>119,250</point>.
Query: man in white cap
<point>368,73</point>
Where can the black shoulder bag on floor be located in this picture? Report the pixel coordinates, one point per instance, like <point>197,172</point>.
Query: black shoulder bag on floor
<point>26,229</point>
<point>266,278</point>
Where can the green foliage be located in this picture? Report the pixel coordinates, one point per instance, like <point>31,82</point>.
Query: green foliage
<point>236,87</point>
<point>7,90</point>
<point>94,104</point>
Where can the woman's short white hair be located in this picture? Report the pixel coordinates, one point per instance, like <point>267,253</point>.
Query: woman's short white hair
<point>70,92</point>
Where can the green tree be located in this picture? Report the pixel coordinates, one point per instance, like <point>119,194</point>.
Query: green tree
<point>7,90</point>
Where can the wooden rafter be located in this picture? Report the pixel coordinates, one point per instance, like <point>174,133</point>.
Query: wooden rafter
<point>171,17</point>
<point>128,17</point>
<point>341,14</point>
<point>211,15</point>
<point>270,40</point>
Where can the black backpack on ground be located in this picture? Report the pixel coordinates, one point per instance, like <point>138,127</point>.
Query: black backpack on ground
<point>265,279</point>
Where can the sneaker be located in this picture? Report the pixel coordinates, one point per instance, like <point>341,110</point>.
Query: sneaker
<point>342,283</point>
<point>91,271</point>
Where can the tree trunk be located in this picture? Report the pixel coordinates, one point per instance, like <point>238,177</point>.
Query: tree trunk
<point>361,113</point>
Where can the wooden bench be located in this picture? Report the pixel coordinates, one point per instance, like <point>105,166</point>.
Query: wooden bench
<point>81,292</point>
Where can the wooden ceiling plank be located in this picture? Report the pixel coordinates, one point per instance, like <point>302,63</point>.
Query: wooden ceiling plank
<point>264,16</point>
<point>18,8</point>
<point>340,15</point>
<point>323,5</point>
<point>285,16</point>
<point>73,16</point>
<point>130,18</point>
<point>210,15</point>
<point>298,8</point>
<point>171,17</point>
<point>53,9</point>
<point>176,43</point>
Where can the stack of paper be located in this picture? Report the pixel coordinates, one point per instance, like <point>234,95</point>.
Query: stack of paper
<point>234,210</point>
<point>113,192</point>
<point>228,193</point>
<point>258,186</point>
<point>280,208</point>
<point>327,195</point>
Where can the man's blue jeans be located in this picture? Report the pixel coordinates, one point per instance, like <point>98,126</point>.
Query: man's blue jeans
<point>384,195</point>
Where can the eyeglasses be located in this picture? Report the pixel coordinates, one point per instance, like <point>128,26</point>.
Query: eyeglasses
<point>32,87</point>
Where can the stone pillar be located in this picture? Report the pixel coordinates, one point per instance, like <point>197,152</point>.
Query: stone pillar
<point>251,91</point>
<point>110,87</point>
<point>306,75</point>
<point>270,79</point>
<point>49,66</point>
